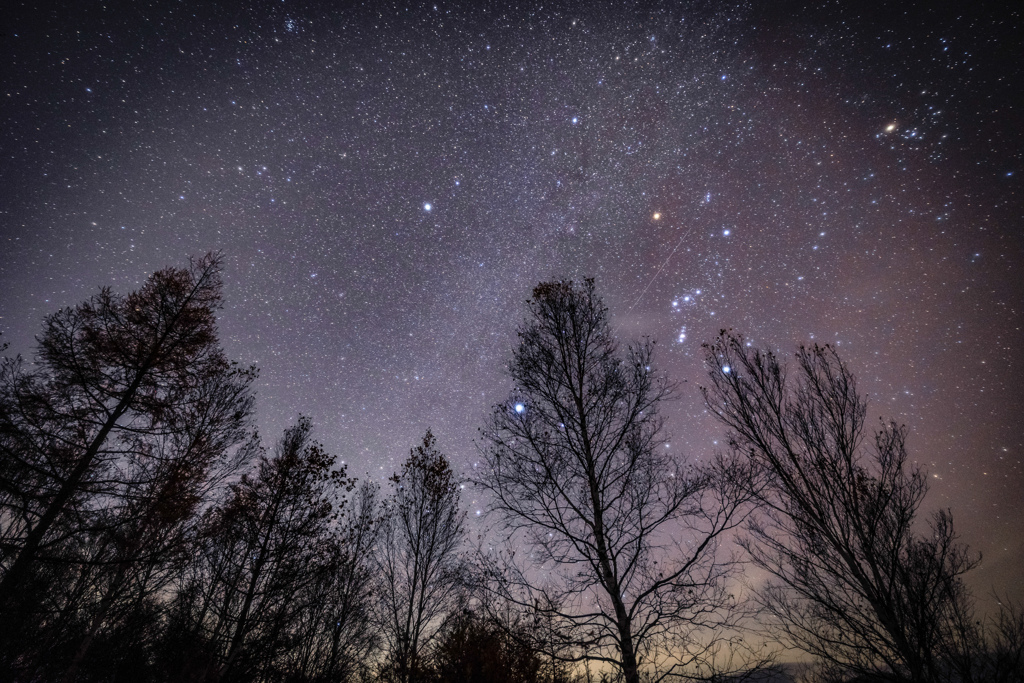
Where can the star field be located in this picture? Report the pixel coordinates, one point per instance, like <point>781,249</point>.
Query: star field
<point>388,183</point>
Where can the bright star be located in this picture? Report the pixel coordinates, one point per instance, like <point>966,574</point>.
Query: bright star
<point>427,207</point>
<point>520,408</point>
<point>656,216</point>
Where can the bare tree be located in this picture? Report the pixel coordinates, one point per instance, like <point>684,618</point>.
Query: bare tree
<point>1004,645</point>
<point>620,540</point>
<point>854,585</point>
<point>417,558</point>
<point>140,536</point>
<point>129,397</point>
<point>243,595</point>
<point>335,634</point>
<point>984,650</point>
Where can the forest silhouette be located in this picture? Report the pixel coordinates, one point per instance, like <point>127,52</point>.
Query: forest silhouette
<point>149,533</point>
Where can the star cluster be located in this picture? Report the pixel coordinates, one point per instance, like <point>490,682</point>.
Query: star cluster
<point>388,182</point>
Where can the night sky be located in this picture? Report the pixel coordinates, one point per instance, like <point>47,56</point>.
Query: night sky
<point>387,184</point>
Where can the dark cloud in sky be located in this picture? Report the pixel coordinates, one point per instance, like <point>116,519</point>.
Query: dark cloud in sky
<point>387,184</point>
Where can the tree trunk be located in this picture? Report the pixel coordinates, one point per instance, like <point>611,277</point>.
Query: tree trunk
<point>19,569</point>
<point>630,668</point>
<point>94,627</point>
<point>238,638</point>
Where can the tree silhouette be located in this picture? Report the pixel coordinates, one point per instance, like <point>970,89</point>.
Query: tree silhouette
<point>620,539</point>
<point>105,444</point>
<point>335,633</point>
<point>137,545</point>
<point>242,599</point>
<point>417,557</point>
<point>854,585</point>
